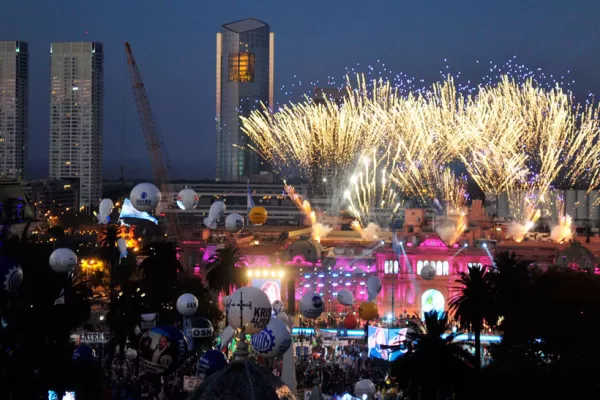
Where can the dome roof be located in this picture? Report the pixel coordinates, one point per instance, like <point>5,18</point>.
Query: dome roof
<point>578,255</point>
<point>241,381</point>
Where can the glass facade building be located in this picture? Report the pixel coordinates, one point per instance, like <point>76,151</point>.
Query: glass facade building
<point>245,66</point>
<point>14,89</point>
<point>76,117</point>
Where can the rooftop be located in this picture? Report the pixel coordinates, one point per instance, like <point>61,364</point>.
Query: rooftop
<point>245,25</point>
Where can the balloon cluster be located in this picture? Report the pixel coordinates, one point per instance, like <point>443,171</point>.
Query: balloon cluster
<point>249,309</point>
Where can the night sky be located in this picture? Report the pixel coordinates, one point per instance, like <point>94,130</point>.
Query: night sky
<point>174,43</point>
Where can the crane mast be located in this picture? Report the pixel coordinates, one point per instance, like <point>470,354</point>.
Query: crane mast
<point>155,146</point>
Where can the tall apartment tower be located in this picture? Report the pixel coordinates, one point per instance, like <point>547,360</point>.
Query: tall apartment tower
<point>14,89</point>
<point>76,116</point>
<point>245,67</point>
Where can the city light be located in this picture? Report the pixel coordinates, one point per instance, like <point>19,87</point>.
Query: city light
<point>265,273</point>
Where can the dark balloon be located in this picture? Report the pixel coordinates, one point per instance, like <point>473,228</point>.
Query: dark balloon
<point>201,328</point>
<point>84,353</point>
<point>11,275</point>
<point>162,349</point>
<point>211,362</point>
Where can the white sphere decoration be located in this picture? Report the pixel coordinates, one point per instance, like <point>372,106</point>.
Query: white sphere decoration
<point>364,387</point>
<point>345,297</point>
<point>131,354</point>
<point>274,340</point>
<point>234,223</point>
<point>145,197</point>
<point>311,305</point>
<point>187,304</point>
<point>282,315</point>
<point>104,209</point>
<point>63,260</point>
<point>249,308</point>
<point>224,300</point>
<point>187,199</point>
<point>277,306</point>
<point>373,287</point>
<point>428,272</point>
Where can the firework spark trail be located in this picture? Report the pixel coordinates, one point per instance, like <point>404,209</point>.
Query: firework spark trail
<point>513,136</point>
<point>371,190</point>
<point>319,230</point>
<point>324,142</point>
<point>563,230</point>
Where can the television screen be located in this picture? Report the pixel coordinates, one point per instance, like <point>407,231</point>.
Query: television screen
<point>383,336</point>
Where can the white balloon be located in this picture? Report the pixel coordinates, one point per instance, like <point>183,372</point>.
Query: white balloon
<point>277,306</point>
<point>428,272</point>
<point>224,300</point>
<point>311,305</point>
<point>122,245</point>
<point>216,212</point>
<point>187,304</point>
<point>104,209</point>
<point>250,308</point>
<point>137,331</point>
<point>274,340</point>
<point>364,387</point>
<point>187,199</point>
<point>63,260</point>
<point>234,223</point>
<point>345,297</point>
<point>373,287</point>
<point>227,336</point>
<point>282,316</point>
<point>131,354</point>
<point>145,197</point>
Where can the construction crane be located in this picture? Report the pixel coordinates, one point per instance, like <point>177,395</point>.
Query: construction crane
<point>155,145</point>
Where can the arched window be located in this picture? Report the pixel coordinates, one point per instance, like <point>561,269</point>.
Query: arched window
<point>432,300</point>
<point>445,268</point>
<point>439,268</point>
<point>395,267</point>
<point>386,266</point>
<point>419,267</point>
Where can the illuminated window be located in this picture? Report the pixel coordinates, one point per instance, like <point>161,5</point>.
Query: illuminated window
<point>386,267</point>
<point>439,268</point>
<point>445,268</point>
<point>419,267</point>
<point>241,67</point>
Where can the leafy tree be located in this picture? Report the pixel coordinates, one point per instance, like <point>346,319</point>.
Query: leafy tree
<point>512,279</point>
<point>38,330</point>
<point>223,270</point>
<point>475,304</point>
<point>434,367</point>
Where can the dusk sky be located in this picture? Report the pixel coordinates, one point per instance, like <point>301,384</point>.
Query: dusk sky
<point>174,43</point>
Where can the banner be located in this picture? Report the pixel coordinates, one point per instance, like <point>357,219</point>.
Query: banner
<point>190,383</point>
<point>95,337</point>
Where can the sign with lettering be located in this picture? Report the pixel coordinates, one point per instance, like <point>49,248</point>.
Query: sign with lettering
<point>95,337</point>
<point>190,383</point>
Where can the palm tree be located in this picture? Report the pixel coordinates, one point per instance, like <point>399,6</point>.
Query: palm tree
<point>435,366</point>
<point>475,304</point>
<point>223,272</point>
<point>513,282</point>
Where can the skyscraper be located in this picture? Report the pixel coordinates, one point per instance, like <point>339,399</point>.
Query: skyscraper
<point>245,66</point>
<point>13,109</point>
<point>76,116</point>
